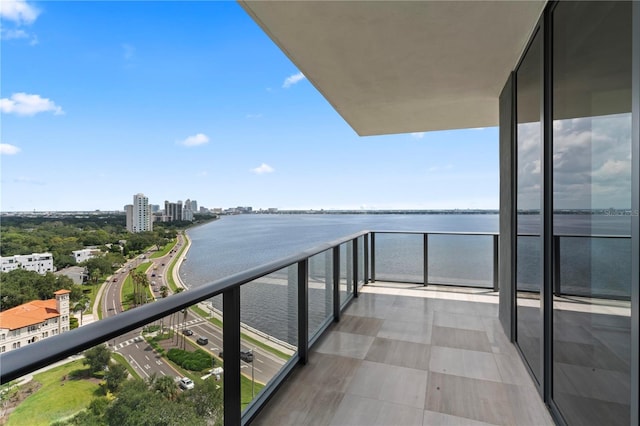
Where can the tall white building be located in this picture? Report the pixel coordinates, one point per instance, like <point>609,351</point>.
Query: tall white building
<point>139,217</point>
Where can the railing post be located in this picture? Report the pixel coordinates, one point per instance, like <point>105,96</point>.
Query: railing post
<point>556,266</point>
<point>366,259</point>
<point>354,259</point>
<point>336,283</point>
<point>425,258</point>
<point>231,347</point>
<point>303,311</point>
<point>373,257</point>
<point>496,263</point>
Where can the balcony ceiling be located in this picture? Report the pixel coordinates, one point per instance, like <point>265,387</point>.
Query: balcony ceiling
<point>399,67</point>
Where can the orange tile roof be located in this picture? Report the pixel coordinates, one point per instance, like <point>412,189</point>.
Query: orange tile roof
<point>30,313</point>
<point>63,291</point>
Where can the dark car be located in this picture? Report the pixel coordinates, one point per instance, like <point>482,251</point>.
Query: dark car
<point>188,332</point>
<point>246,356</point>
<point>202,341</point>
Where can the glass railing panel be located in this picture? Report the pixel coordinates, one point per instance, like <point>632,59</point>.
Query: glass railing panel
<point>465,260</point>
<point>268,329</point>
<point>320,290</point>
<point>346,272</point>
<point>595,267</point>
<point>164,371</point>
<point>399,257</point>
<point>360,266</point>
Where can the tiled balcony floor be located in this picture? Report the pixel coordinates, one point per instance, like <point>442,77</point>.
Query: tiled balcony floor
<point>409,355</point>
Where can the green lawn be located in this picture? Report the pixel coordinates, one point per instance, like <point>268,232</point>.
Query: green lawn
<point>245,390</point>
<point>56,399</point>
<point>170,281</point>
<point>166,249</point>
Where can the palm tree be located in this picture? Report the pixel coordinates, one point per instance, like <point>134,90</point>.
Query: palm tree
<point>81,306</point>
<point>166,387</point>
<point>164,291</point>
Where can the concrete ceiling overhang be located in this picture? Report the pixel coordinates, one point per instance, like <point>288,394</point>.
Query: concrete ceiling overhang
<point>398,67</point>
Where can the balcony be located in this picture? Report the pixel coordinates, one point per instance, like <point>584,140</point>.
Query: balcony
<point>335,344</point>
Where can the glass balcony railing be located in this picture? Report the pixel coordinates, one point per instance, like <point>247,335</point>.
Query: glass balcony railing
<point>233,341</point>
<point>460,259</point>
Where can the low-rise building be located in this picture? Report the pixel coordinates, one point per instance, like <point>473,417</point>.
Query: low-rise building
<point>33,321</point>
<point>37,262</point>
<point>78,274</point>
<point>85,254</point>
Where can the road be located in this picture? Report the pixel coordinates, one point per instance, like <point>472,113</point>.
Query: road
<point>141,355</point>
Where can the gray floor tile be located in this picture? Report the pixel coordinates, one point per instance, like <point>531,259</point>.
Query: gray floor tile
<point>398,385</point>
<point>465,363</point>
<point>345,344</point>
<point>481,400</point>
<point>400,353</point>
<point>357,410</point>
<point>431,418</point>
<point>358,325</point>
<point>453,320</point>
<point>409,331</point>
<point>461,339</point>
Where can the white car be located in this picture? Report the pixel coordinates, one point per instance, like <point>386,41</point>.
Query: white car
<point>186,383</point>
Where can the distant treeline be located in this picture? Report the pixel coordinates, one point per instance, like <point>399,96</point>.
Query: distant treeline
<point>64,234</point>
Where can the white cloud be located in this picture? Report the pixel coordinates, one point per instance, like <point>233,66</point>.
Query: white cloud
<point>262,169</point>
<point>417,135</point>
<point>18,11</point>
<point>292,79</point>
<point>26,104</point>
<point>8,149</point>
<point>9,34</point>
<point>195,140</point>
<point>16,34</point>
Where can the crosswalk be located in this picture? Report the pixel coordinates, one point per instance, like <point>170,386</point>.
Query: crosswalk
<point>139,339</point>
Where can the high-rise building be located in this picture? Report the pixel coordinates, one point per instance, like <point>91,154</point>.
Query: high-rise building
<point>173,211</point>
<point>139,214</point>
<point>187,211</point>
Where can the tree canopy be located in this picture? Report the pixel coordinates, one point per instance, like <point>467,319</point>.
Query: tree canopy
<point>20,286</point>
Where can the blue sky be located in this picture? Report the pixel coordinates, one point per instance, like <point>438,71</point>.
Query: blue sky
<point>177,100</point>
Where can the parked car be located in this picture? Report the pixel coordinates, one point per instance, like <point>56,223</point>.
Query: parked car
<point>202,341</point>
<point>246,356</point>
<point>186,383</point>
<point>188,332</point>
<point>153,275</point>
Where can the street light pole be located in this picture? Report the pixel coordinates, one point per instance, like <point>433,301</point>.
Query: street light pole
<point>253,359</point>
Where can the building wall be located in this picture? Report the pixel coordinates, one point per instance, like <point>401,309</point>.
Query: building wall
<point>85,254</point>
<point>15,339</point>
<point>37,262</point>
<point>506,240</point>
<point>139,217</point>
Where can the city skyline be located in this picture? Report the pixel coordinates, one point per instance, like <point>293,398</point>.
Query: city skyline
<point>193,98</point>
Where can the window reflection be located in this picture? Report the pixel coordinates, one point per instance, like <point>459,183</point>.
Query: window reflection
<point>529,224</point>
<point>592,198</point>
